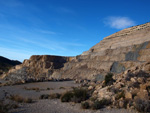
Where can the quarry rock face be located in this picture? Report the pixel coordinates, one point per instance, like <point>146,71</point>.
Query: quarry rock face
<point>38,67</point>
<point>116,53</point>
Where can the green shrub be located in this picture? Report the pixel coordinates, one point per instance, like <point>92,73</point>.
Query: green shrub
<point>51,96</point>
<point>97,105</point>
<point>93,99</point>
<point>61,88</point>
<point>48,88</point>
<point>85,105</point>
<point>44,96</point>
<point>100,104</point>
<point>108,79</point>
<point>142,105</point>
<point>66,97</point>
<point>28,100</point>
<point>77,95</point>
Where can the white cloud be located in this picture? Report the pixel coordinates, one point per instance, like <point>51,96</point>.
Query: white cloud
<point>119,22</point>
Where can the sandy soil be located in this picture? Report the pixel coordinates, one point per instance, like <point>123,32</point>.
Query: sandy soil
<point>48,105</point>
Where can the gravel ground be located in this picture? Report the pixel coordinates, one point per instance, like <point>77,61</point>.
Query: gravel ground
<point>55,106</point>
<point>48,105</point>
<point>20,89</point>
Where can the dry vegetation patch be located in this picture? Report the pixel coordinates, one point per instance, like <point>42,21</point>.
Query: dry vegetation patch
<point>20,99</point>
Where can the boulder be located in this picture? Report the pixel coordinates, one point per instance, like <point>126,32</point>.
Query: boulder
<point>141,80</point>
<point>104,93</point>
<point>121,103</point>
<point>143,94</point>
<point>128,95</point>
<point>90,87</point>
<point>133,80</point>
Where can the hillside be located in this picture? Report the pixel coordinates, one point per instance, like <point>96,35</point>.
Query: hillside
<point>6,64</point>
<point>116,53</point>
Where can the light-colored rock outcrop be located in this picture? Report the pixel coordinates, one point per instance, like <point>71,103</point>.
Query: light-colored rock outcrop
<point>38,67</point>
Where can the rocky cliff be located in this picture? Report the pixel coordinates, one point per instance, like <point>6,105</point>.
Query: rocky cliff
<point>38,67</point>
<point>115,53</point>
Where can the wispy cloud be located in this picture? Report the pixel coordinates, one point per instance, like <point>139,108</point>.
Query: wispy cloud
<point>11,3</point>
<point>40,44</point>
<point>65,10</point>
<point>46,31</point>
<point>73,44</point>
<point>52,45</point>
<point>15,54</point>
<point>119,22</point>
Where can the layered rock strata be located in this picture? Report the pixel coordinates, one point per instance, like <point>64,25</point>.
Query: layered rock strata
<point>38,67</point>
<point>115,53</point>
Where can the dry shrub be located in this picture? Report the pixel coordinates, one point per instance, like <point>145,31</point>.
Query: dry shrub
<point>100,104</point>
<point>4,108</point>
<point>55,96</point>
<point>66,97</point>
<point>77,95</point>
<point>142,105</point>
<point>51,96</point>
<point>44,96</point>
<point>20,99</point>
<point>34,88</point>
<point>85,105</point>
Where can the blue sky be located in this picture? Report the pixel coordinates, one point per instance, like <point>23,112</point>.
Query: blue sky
<point>63,27</point>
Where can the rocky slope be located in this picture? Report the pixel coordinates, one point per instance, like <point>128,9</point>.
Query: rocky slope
<point>115,53</point>
<point>6,64</point>
<point>129,89</point>
<point>38,67</point>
